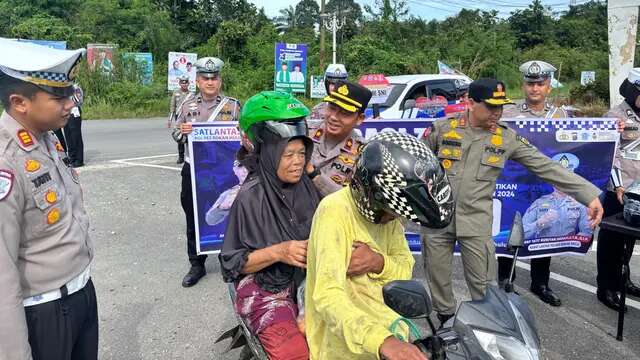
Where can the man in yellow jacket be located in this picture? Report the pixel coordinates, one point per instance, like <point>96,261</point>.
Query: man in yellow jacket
<point>396,177</point>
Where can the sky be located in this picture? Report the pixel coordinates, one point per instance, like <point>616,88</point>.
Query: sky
<point>433,9</point>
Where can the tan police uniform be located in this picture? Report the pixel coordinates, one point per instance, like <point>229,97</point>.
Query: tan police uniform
<point>196,109</point>
<point>177,98</point>
<point>334,161</point>
<point>522,110</point>
<point>473,159</point>
<point>44,228</point>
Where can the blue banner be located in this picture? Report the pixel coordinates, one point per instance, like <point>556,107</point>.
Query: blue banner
<point>554,223</point>
<point>290,67</point>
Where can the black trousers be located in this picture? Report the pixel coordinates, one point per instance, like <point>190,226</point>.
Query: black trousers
<point>186,199</point>
<point>181,147</point>
<point>610,249</point>
<point>65,329</point>
<point>539,270</point>
<point>73,136</point>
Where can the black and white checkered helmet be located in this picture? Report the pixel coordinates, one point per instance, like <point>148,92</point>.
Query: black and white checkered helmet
<point>397,173</point>
<point>631,211</point>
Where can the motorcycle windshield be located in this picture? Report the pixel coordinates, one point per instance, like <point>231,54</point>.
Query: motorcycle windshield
<point>493,314</point>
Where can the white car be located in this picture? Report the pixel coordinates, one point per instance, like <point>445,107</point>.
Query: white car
<point>412,87</point>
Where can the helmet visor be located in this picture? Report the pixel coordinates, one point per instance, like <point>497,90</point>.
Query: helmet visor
<point>288,129</point>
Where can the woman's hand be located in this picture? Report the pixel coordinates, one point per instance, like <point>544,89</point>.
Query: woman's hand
<point>293,252</point>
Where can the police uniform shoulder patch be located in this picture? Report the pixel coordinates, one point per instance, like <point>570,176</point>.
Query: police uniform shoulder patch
<point>25,138</point>
<point>6,183</point>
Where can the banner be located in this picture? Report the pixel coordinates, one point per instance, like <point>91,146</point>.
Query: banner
<point>317,91</point>
<point>60,45</point>
<point>144,63</point>
<point>180,64</point>
<point>290,67</point>
<point>585,146</point>
<point>100,57</point>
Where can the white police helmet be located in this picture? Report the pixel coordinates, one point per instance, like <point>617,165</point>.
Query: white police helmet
<point>336,71</point>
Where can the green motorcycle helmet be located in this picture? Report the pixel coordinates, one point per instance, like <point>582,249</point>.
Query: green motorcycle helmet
<point>273,112</point>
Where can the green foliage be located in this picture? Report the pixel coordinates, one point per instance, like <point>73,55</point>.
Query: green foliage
<point>386,40</point>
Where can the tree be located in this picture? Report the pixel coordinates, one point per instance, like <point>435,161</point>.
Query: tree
<point>532,25</point>
<point>308,13</point>
<point>289,16</point>
<point>388,10</point>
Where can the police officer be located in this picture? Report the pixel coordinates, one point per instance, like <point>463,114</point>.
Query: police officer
<point>556,214</point>
<point>473,149</point>
<point>336,144</point>
<point>627,169</point>
<point>208,105</point>
<point>536,87</point>
<point>177,98</point>
<point>73,137</point>
<point>48,303</point>
<point>333,74</point>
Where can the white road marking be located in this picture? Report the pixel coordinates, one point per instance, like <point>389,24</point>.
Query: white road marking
<point>594,248</point>
<point>147,165</point>
<point>577,284</point>
<point>146,157</point>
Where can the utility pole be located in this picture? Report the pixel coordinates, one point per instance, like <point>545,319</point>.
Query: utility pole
<point>333,24</point>
<point>321,35</point>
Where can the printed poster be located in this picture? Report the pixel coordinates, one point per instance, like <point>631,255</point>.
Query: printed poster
<point>290,67</point>
<point>178,65</point>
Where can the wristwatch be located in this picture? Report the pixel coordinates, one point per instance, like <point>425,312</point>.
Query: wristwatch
<point>314,173</point>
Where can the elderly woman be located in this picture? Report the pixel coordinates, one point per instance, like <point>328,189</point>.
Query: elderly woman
<point>265,244</point>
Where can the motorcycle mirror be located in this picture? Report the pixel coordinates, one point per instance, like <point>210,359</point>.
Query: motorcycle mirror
<point>516,235</point>
<point>409,104</point>
<point>408,298</point>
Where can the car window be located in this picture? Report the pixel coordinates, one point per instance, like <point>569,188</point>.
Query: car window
<point>418,91</point>
<point>393,95</point>
<point>446,88</point>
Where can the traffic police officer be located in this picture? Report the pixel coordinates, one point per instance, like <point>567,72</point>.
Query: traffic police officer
<point>473,150</point>
<point>627,169</point>
<point>536,87</point>
<point>208,105</point>
<point>48,304</point>
<point>556,214</point>
<point>333,74</point>
<point>177,98</point>
<point>336,144</point>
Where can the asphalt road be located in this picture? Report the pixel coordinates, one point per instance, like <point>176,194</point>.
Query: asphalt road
<point>139,230</point>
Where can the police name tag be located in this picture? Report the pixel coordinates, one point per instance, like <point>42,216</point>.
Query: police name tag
<point>631,155</point>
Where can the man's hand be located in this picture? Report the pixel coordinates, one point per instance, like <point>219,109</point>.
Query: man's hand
<point>619,193</point>
<point>620,126</point>
<point>293,252</point>
<point>186,128</point>
<point>595,211</point>
<point>394,349</point>
<point>310,168</point>
<point>364,260</point>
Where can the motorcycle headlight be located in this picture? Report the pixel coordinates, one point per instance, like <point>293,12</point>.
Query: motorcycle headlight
<point>504,348</point>
<point>530,339</point>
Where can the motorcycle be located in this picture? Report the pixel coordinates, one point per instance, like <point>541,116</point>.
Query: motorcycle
<point>241,336</point>
<point>499,327</point>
